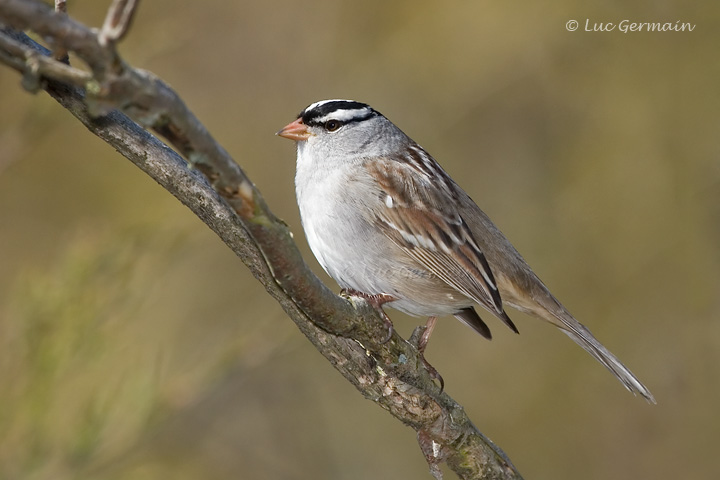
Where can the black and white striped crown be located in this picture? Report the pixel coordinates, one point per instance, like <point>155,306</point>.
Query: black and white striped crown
<point>346,111</point>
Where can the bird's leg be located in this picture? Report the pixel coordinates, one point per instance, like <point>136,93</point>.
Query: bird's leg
<point>422,344</point>
<point>425,337</point>
<point>377,301</point>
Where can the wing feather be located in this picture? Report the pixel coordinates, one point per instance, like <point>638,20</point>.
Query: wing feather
<point>416,214</point>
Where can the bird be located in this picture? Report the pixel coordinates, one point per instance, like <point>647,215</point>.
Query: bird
<point>388,224</point>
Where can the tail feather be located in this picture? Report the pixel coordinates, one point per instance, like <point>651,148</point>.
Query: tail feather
<point>471,318</point>
<point>541,303</point>
<point>583,337</point>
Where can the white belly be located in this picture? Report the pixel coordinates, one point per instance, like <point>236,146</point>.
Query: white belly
<point>336,211</point>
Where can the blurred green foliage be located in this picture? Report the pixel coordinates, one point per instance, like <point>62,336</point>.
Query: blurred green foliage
<point>60,334</point>
<point>134,345</point>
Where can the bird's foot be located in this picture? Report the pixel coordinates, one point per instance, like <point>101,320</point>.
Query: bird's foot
<point>433,372</point>
<point>419,339</point>
<point>377,301</point>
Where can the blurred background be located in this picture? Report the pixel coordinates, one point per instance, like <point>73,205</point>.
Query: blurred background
<point>135,345</point>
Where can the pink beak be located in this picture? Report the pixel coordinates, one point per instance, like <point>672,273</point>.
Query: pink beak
<point>295,131</point>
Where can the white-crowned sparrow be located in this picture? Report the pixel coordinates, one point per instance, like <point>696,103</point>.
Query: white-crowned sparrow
<point>386,222</point>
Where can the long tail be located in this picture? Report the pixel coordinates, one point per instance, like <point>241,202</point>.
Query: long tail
<point>583,337</point>
<point>534,298</point>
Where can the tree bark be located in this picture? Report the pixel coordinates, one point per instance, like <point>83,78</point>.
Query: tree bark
<point>118,103</point>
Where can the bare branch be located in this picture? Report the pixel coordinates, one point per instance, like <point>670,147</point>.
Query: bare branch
<point>35,65</point>
<point>389,374</point>
<point>151,102</point>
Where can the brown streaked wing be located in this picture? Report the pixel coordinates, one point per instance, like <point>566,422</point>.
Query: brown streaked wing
<point>416,215</point>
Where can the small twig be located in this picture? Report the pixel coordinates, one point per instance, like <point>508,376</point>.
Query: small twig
<point>117,21</point>
<point>35,65</point>
<point>58,29</point>
<point>60,53</point>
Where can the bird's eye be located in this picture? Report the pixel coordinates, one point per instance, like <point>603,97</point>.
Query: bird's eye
<point>332,125</point>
